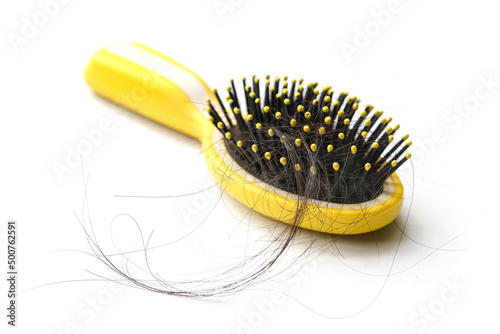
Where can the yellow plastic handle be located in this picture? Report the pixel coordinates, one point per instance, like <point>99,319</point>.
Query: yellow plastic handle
<point>153,85</point>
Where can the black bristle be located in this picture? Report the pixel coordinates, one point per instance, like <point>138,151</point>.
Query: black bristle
<point>296,136</point>
<point>235,99</point>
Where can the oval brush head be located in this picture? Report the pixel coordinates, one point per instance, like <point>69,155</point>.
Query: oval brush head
<point>290,152</point>
<point>335,161</point>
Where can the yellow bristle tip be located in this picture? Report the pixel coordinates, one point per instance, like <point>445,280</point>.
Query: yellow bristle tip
<point>364,134</point>
<point>313,170</point>
<point>239,143</point>
<point>307,115</point>
<point>252,95</point>
<point>278,115</point>
<point>354,149</point>
<point>220,125</point>
<point>341,136</point>
<point>409,143</point>
<point>314,147</point>
<point>254,147</point>
<point>327,99</point>
<point>388,130</point>
<point>283,161</point>
<point>363,114</point>
<point>325,109</point>
<point>406,136</point>
<point>328,120</point>
<point>297,167</point>
<point>293,122</point>
<point>375,145</point>
<point>341,113</point>
<point>321,130</point>
<point>347,121</point>
<point>249,117</point>
<point>236,110</point>
<point>391,138</point>
<point>257,100</point>
<point>368,166</point>
<point>230,101</point>
<point>228,135</point>
<point>270,132</point>
<point>287,101</point>
<point>266,109</point>
<point>211,119</point>
<point>329,148</point>
<point>298,142</point>
<point>258,126</point>
<point>394,163</point>
<point>306,128</point>
<point>368,122</point>
<point>300,108</point>
<point>408,156</point>
<point>336,166</point>
<point>267,155</point>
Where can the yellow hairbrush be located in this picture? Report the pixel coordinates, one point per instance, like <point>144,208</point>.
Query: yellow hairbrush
<point>291,152</point>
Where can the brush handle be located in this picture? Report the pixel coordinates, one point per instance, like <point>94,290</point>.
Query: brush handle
<point>145,81</point>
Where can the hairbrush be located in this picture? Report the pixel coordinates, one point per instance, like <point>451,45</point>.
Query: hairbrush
<point>288,150</point>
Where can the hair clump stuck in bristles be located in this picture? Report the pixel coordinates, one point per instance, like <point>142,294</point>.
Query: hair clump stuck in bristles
<point>308,141</point>
<point>312,143</point>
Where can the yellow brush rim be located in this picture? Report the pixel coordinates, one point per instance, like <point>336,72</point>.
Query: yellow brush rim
<point>281,205</point>
<point>173,97</point>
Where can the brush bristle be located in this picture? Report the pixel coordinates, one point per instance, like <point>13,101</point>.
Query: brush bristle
<point>305,141</point>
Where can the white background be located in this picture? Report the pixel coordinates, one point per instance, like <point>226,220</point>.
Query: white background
<point>427,58</point>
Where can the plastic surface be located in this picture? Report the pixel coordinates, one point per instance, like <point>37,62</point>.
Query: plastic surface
<point>161,89</point>
<point>150,84</point>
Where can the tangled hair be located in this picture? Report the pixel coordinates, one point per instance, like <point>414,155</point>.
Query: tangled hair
<point>298,139</point>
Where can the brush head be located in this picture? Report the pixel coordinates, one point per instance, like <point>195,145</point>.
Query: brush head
<point>309,142</point>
